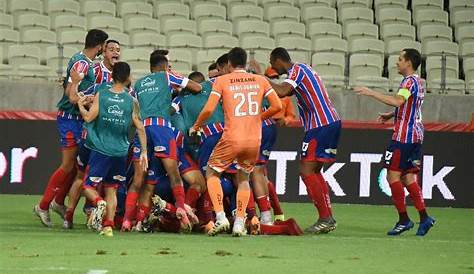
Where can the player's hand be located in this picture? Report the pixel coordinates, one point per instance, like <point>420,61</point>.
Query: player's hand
<point>144,161</point>
<point>255,66</point>
<point>384,117</point>
<point>82,99</point>
<point>363,91</point>
<point>194,131</point>
<point>76,77</point>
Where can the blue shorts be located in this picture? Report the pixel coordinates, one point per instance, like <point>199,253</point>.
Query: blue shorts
<point>320,144</point>
<point>70,131</point>
<point>136,149</point>
<point>163,189</point>
<point>83,156</point>
<point>161,141</point>
<point>268,140</point>
<point>105,169</point>
<point>186,163</point>
<point>205,151</point>
<point>405,158</point>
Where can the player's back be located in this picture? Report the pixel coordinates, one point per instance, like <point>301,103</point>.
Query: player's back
<point>154,95</point>
<point>242,94</point>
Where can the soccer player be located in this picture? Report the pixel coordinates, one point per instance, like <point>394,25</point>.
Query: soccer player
<point>112,114</point>
<point>154,94</point>
<point>69,123</point>
<point>212,71</point>
<point>403,155</point>
<point>241,94</point>
<point>103,69</point>
<point>322,126</point>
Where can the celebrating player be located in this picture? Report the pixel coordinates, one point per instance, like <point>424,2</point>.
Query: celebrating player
<point>113,112</point>
<point>322,126</point>
<point>69,123</point>
<point>403,155</point>
<point>241,94</point>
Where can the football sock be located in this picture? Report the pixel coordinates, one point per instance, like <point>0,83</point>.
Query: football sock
<point>131,206</point>
<point>63,189</point>
<point>192,195</point>
<point>215,193</point>
<point>417,199</point>
<point>324,186</point>
<point>275,203</point>
<point>316,194</point>
<point>56,180</point>
<point>178,193</point>
<point>398,198</point>
<point>242,201</point>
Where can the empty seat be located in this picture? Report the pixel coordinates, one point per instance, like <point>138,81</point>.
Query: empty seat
<point>380,4</point>
<point>148,41</point>
<point>69,22</point>
<point>136,9</point>
<point>251,26</point>
<point>298,56</point>
<point>323,29</point>
<point>33,21</point>
<point>205,57</point>
<point>73,38</point>
<point>257,42</point>
<point>141,24</point>
<point>393,75</point>
<point>434,32</point>
<point>455,5</point>
<point>220,40</point>
<point>395,46</point>
<point>25,6</point>
<point>367,45</point>
<point>432,17</point>
<point>393,15</point>
<point>261,56</point>
<point>318,13</point>
<point>137,58</point>
<point>193,3</point>
<point>276,2</point>
<point>230,3</point>
<point>214,25</point>
<point>62,7</point>
<point>330,67</point>
<point>397,32</point>
<point>279,28</point>
<point>281,12</point>
<point>462,17</point>
<point>176,25</point>
<point>106,23</point>
<point>184,40</point>
<point>468,67</point>
<point>366,70</point>
<point>8,37</point>
<point>415,4</point>
<point>294,43</point>
<point>58,59</point>
<point>3,7</point>
<point>466,49</point>
<point>329,45</point>
<point>208,11</point>
<point>6,21</point>
<point>354,3</point>
<point>23,55</point>
<point>434,73</point>
<point>309,3</point>
<point>440,47</point>
<point>98,8</point>
<point>39,37</point>
<point>122,38</point>
<point>348,15</point>
<point>240,12</point>
<point>167,10</point>
<point>180,59</point>
<point>360,30</point>
<point>464,33</point>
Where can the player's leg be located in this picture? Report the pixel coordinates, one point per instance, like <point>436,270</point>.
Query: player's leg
<point>111,200</point>
<point>275,202</point>
<point>133,192</point>
<point>191,174</point>
<point>243,194</point>
<point>260,190</point>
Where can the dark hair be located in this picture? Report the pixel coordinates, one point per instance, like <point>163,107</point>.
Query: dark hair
<point>413,56</point>
<point>112,41</point>
<point>95,37</point>
<point>157,60</point>
<point>120,72</point>
<point>161,51</point>
<point>212,66</point>
<point>196,76</point>
<point>280,53</point>
<point>237,57</point>
<point>222,60</point>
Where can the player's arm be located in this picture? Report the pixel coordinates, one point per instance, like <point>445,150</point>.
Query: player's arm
<point>93,112</point>
<point>290,114</point>
<point>72,87</point>
<point>395,101</point>
<point>138,123</point>
<point>284,89</point>
<point>206,111</point>
<point>193,86</point>
<point>184,82</point>
<point>275,104</point>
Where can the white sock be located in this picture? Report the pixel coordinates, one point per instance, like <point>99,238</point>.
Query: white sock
<point>266,217</point>
<point>220,216</point>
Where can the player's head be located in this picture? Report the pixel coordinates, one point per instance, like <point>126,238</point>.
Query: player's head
<point>280,60</point>
<point>112,52</point>
<point>95,39</point>
<point>196,76</point>
<point>222,64</point>
<point>237,58</point>
<point>164,52</point>
<point>212,70</point>
<point>408,61</point>
<point>158,62</point>
<point>121,73</point>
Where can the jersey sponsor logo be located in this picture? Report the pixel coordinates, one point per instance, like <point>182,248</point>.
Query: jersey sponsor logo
<point>241,80</point>
<point>96,179</point>
<point>151,172</point>
<point>136,150</point>
<point>147,82</point>
<point>266,153</point>
<point>119,178</point>
<point>330,151</point>
<point>115,110</point>
<point>159,148</point>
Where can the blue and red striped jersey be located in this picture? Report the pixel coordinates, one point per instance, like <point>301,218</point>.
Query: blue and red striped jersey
<point>102,73</point>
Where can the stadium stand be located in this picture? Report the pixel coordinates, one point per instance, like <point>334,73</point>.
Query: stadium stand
<point>336,31</point>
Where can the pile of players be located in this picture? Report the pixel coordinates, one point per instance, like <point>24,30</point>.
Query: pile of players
<point>200,147</point>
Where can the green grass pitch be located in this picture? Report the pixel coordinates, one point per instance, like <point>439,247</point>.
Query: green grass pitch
<point>359,245</point>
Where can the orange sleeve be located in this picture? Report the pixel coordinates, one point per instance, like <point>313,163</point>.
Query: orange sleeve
<point>275,104</point>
